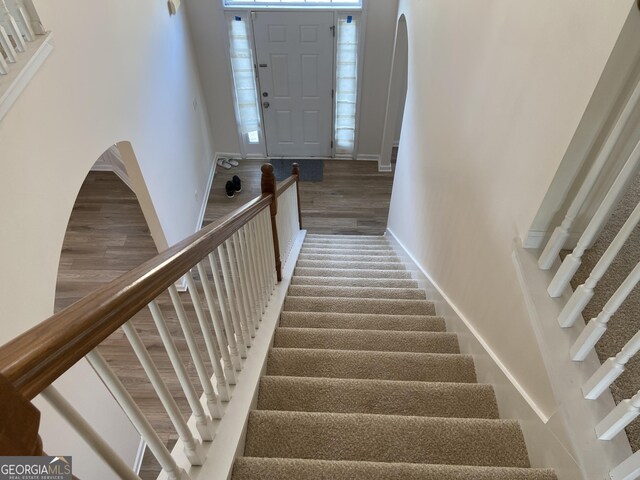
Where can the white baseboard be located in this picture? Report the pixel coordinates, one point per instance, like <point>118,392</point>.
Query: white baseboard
<point>535,239</point>
<point>137,463</point>
<point>206,193</point>
<point>384,168</point>
<point>368,157</point>
<point>543,435</point>
<point>231,429</point>
<point>396,143</point>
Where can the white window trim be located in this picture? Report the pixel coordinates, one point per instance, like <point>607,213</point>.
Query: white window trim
<point>259,150</point>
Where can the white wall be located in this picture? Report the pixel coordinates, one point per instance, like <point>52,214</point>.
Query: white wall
<point>208,30</point>
<point>496,90</point>
<point>120,71</point>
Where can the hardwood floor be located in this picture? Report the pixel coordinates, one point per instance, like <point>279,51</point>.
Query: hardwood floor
<point>107,236</point>
<point>352,198</point>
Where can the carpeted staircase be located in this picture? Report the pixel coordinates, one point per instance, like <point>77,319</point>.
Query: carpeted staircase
<point>363,382</point>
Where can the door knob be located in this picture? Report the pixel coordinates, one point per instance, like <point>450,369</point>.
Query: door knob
<point>265,104</point>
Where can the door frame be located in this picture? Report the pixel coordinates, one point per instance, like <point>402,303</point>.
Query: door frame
<point>259,150</point>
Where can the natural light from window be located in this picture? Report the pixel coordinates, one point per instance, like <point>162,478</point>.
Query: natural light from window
<point>294,3</point>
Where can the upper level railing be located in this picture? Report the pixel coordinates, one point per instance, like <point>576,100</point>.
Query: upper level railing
<point>16,31</point>
<point>234,263</point>
<point>626,411</point>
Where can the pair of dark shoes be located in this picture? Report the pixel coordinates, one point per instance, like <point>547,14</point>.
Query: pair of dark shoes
<point>233,186</point>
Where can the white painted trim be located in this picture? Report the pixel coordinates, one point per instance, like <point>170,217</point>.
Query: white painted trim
<point>494,356</point>
<point>536,238</point>
<point>579,416</point>
<point>207,192</point>
<point>385,168</point>
<point>366,157</point>
<point>20,73</point>
<point>137,462</point>
<point>231,429</point>
<point>396,143</point>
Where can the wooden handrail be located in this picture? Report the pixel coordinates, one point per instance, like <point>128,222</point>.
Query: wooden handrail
<point>33,360</point>
<point>285,184</point>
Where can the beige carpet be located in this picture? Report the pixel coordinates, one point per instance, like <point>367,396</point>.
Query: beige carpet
<point>626,322</point>
<point>363,382</point>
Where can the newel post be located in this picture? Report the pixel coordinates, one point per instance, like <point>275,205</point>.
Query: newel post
<point>268,185</point>
<point>19,423</point>
<point>295,171</point>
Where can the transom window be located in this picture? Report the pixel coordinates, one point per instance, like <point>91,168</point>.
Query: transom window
<point>332,4</point>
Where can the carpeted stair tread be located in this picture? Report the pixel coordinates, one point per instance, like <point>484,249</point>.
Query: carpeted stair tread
<point>325,257</point>
<point>423,367</point>
<point>428,399</point>
<point>346,239</point>
<point>347,251</point>
<point>351,272</point>
<point>359,305</point>
<point>363,321</point>
<point>356,292</point>
<point>385,438</point>
<point>348,246</point>
<point>355,282</point>
<point>372,340</point>
<point>251,468</point>
<point>347,265</point>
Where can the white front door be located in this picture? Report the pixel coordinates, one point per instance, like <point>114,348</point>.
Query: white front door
<point>294,53</point>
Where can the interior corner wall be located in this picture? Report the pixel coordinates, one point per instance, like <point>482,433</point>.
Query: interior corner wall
<point>496,91</point>
<point>378,53</point>
<point>208,28</point>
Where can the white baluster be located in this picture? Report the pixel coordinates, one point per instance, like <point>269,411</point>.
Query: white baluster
<point>267,239</point>
<point>4,68</point>
<point>561,233</point>
<point>235,308</point>
<point>627,470</point>
<point>139,421</point>
<point>250,281</point>
<point>622,415</point>
<point>611,369</point>
<point>597,326</point>
<point>207,387</point>
<point>228,323</point>
<point>257,266</point>
<point>17,10</point>
<point>572,261</point>
<point>584,292</point>
<point>88,434</point>
<point>7,46</point>
<point>223,341</point>
<point>204,423</point>
<point>214,352</point>
<point>262,256</point>
<point>9,23</point>
<point>240,284</point>
<point>192,447</point>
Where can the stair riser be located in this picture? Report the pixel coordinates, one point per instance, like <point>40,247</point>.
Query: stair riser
<point>376,438</point>
<point>350,265</point>
<point>421,367</point>
<point>356,292</point>
<point>348,246</point>
<point>352,273</point>
<point>251,468</point>
<point>422,399</point>
<point>416,323</point>
<point>349,258</point>
<point>354,282</point>
<point>348,305</point>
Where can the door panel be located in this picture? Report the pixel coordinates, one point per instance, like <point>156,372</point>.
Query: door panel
<point>294,52</point>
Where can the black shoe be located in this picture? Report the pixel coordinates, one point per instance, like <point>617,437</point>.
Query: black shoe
<point>237,184</point>
<point>230,189</point>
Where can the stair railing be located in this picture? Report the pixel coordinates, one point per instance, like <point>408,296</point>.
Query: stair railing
<point>626,411</point>
<point>234,262</point>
